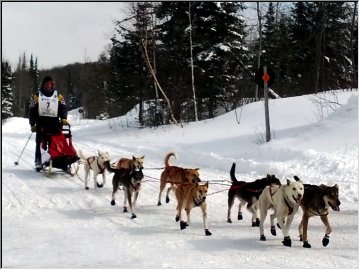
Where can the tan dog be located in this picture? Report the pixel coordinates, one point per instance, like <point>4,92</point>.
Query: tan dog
<point>189,196</point>
<point>134,164</point>
<point>176,175</point>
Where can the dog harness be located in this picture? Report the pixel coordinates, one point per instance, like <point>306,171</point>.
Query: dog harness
<point>91,160</point>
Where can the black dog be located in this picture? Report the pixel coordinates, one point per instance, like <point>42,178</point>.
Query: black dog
<point>128,179</point>
<point>316,202</point>
<point>248,193</point>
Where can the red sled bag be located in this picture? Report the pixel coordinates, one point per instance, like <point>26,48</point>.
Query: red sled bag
<point>61,151</point>
<point>60,146</point>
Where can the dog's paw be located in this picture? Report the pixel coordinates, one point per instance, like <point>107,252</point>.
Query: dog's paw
<point>167,200</point>
<point>326,240</point>
<point>306,244</point>
<point>240,217</point>
<point>253,224</point>
<point>262,237</point>
<point>159,203</point>
<point>133,216</point>
<point>177,218</point>
<point>125,210</point>
<point>278,225</point>
<point>287,241</point>
<point>273,230</point>
<point>99,185</point>
<point>301,238</point>
<point>229,220</point>
<point>183,225</point>
<point>112,202</point>
<point>86,188</point>
<point>257,222</point>
<point>207,232</point>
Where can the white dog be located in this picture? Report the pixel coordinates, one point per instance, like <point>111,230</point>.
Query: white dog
<point>97,165</point>
<point>285,201</point>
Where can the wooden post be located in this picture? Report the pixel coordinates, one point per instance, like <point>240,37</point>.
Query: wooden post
<point>266,97</point>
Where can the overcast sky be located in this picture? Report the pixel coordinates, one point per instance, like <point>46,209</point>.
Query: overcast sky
<point>58,33</point>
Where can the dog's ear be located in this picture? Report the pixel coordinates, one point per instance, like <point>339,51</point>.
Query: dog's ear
<point>142,157</point>
<point>134,158</point>
<point>296,178</point>
<point>207,184</point>
<point>197,169</point>
<point>288,182</point>
<point>336,186</point>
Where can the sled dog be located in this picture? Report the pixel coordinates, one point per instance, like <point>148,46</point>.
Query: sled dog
<point>135,164</point>
<point>285,201</point>
<point>97,165</point>
<point>130,181</point>
<point>316,202</point>
<point>248,193</point>
<point>188,196</point>
<point>176,175</point>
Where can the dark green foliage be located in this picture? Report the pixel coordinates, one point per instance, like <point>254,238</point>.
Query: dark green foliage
<point>6,90</point>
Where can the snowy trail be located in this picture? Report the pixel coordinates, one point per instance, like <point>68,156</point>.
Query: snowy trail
<point>53,222</point>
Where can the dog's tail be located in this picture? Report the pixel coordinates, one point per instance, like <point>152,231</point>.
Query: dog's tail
<point>232,173</point>
<point>166,160</point>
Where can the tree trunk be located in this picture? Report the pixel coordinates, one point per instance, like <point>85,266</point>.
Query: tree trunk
<point>192,65</point>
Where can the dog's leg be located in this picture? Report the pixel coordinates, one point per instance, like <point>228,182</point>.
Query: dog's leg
<point>285,228</point>
<point>303,233</point>
<point>272,222</point>
<point>162,186</point>
<point>95,182</point>
<point>240,217</point>
<point>129,196</point>
<point>87,169</point>
<point>104,178</point>
<point>203,209</point>
<point>328,230</point>
<point>263,212</point>
<point>125,200</point>
<point>231,199</point>
<point>167,199</point>
<point>116,187</point>
<point>135,198</point>
<point>255,222</point>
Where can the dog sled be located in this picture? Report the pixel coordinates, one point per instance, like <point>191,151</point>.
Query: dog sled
<point>58,152</point>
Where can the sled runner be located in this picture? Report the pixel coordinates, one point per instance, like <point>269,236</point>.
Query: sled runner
<point>60,151</point>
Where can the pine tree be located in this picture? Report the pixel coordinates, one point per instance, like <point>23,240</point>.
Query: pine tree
<point>6,90</point>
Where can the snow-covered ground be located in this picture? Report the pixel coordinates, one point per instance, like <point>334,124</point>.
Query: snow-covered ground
<point>53,222</point>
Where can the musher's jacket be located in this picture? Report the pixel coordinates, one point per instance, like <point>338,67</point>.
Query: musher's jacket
<point>46,110</point>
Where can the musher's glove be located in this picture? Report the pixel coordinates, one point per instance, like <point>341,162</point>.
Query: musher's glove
<point>64,122</point>
<point>33,128</point>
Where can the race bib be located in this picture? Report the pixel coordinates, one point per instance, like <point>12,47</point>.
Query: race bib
<point>48,106</point>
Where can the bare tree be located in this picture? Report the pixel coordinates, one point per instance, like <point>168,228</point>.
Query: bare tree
<point>260,40</point>
<point>152,71</point>
<point>192,65</point>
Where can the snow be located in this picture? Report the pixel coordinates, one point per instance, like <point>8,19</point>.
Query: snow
<point>53,222</point>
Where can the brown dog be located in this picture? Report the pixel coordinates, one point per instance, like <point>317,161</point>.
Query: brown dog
<point>189,196</point>
<point>176,175</point>
<point>316,202</point>
<point>134,164</point>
